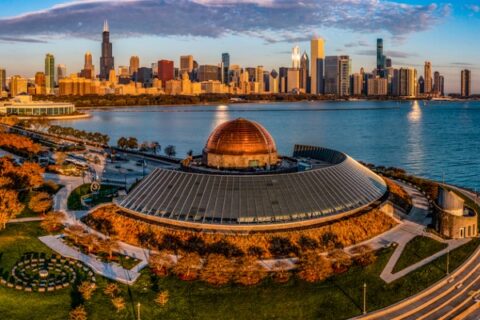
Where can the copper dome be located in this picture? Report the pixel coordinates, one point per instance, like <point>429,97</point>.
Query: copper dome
<point>242,137</point>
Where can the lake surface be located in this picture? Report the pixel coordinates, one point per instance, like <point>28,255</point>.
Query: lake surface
<point>436,140</point>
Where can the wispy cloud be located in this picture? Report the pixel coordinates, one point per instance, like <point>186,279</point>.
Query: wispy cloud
<point>273,20</point>
<point>360,43</point>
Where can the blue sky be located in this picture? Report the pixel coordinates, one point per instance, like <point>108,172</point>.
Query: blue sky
<point>254,32</point>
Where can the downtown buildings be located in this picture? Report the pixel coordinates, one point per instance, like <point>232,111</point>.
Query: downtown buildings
<point>317,74</point>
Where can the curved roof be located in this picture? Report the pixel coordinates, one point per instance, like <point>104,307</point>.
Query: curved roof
<point>240,137</point>
<point>343,186</point>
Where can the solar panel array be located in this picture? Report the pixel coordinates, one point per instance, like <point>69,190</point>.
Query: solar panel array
<point>247,199</point>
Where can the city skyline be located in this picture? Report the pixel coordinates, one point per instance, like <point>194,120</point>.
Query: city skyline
<point>273,49</point>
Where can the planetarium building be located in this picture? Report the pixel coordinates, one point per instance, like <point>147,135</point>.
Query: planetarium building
<point>241,183</point>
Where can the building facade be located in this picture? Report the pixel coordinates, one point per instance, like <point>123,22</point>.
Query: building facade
<point>466,83</point>
<point>49,73</point>
<point>317,56</point>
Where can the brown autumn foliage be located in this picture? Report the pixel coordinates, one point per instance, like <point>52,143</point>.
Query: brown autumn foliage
<point>26,176</point>
<point>399,196</point>
<point>364,255</point>
<point>53,221</point>
<point>10,207</point>
<point>79,313</point>
<point>20,143</point>
<point>341,261</point>
<point>249,272</point>
<point>281,274</point>
<point>118,303</point>
<point>338,234</point>
<point>87,289</point>
<point>188,267</point>
<point>161,263</point>
<point>218,270</point>
<point>112,290</point>
<point>314,267</point>
<point>40,202</point>
<point>162,298</point>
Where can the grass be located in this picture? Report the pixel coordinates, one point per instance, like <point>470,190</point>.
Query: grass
<point>337,298</point>
<point>74,199</point>
<point>416,250</point>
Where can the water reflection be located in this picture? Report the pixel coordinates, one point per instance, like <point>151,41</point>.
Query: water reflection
<point>220,116</point>
<point>415,115</point>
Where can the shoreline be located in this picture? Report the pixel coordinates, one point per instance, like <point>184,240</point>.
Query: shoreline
<point>260,102</point>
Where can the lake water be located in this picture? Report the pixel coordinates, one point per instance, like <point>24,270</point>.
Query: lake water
<point>435,140</point>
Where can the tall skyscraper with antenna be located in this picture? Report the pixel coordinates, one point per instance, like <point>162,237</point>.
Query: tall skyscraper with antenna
<point>106,60</point>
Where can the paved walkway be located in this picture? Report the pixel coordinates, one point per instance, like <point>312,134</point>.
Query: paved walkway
<point>28,219</point>
<point>111,271</point>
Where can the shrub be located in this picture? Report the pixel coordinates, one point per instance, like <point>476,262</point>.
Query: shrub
<point>249,272</point>
<point>112,290</point>
<point>313,267</point>
<point>188,267</point>
<point>79,313</point>
<point>118,303</point>
<point>162,298</point>
<point>282,247</point>
<point>87,289</point>
<point>218,270</point>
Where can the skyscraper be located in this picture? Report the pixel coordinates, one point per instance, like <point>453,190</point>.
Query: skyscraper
<point>186,64</point>
<point>317,56</point>
<point>106,60</point>
<point>436,83</point>
<point>466,83</point>
<point>259,78</point>
<point>296,57</point>
<point>344,75</point>
<point>3,80</point>
<point>304,70</point>
<point>427,77</point>
<point>380,58</point>
<point>405,82</point>
<point>134,64</point>
<point>225,67</point>
<point>88,70</point>
<point>165,71</point>
<point>61,72</point>
<point>332,69</point>
<point>49,73</point>
<point>39,83</point>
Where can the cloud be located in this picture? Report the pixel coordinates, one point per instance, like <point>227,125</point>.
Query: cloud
<point>360,43</point>
<point>26,40</point>
<point>273,20</point>
<point>389,53</point>
<point>474,8</point>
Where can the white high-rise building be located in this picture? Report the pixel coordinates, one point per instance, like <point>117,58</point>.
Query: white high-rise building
<point>296,56</point>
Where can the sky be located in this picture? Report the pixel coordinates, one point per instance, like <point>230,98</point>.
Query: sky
<point>254,32</point>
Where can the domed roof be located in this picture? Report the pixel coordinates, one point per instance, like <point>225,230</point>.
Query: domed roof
<point>240,137</point>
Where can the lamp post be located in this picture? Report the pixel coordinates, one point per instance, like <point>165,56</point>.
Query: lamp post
<point>448,262</point>
<point>138,310</point>
<point>364,298</point>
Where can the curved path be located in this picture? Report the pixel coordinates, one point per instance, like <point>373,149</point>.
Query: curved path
<point>450,298</point>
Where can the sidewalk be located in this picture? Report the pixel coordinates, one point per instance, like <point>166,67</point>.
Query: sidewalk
<point>111,271</point>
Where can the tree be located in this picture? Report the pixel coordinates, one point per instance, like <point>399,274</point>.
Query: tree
<point>155,146</point>
<point>170,151</point>
<point>218,270</point>
<point>118,303</point>
<point>249,272</point>
<point>341,261</point>
<point>53,221</point>
<point>10,207</point>
<point>122,143</point>
<point>89,241</point>
<point>364,255</point>
<point>281,273</point>
<point>132,143</point>
<point>188,267</point>
<point>160,263</point>
<point>79,313</point>
<point>112,290</point>
<point>32,175</point>
<point>40,202</point>
<point>87,289</point>
<point>162,298</point>
<point>75,232</point>
<point>314,267</point>
<point>108,246</point>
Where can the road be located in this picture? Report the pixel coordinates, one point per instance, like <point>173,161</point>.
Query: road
<point>450,298</point>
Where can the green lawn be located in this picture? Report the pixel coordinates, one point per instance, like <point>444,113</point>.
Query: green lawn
<point>416,250</point>
<point>337,298</point>
<point>74,199</point>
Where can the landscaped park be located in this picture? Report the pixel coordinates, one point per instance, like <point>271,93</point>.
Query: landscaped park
<point>104,264</point>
